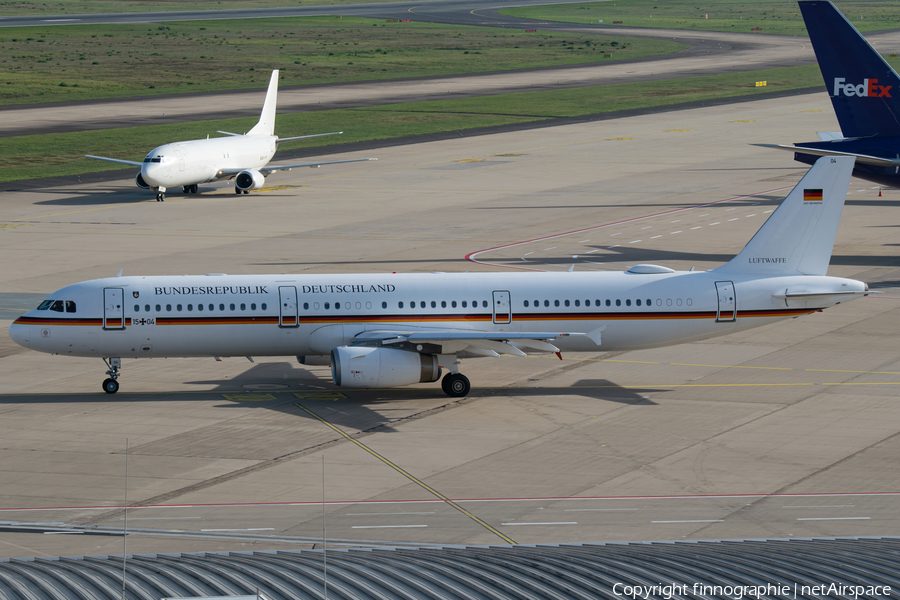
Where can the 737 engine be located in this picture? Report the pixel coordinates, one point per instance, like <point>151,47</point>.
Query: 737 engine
<point>249,179</point>
<point>365,367</point>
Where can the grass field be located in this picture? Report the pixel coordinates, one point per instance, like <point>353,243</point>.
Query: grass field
<point>11,8</point>
<point>27,157</point>
<point>772,16</point>
<point>81,62</point>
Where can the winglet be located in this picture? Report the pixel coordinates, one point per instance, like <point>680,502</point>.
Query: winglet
<point>266,124</point>
<point>798,237</point>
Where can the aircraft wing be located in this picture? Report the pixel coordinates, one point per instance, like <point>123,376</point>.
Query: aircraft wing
<point>315,164</point>
<point>485,343</point>
<point>116,160</point>
<point>862,158</point>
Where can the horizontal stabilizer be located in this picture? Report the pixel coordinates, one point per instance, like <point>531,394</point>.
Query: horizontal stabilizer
<point>303,137</point>
<point>116,160</point>
<point>229,133</point>
<point>862,158</point>
<point>798,237</point>
<point>830,136</point>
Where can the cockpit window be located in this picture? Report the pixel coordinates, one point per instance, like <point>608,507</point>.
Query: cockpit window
<point>57,306</point>
<point>45,305</point>
<point>70,306</point>
<point>154,159</point>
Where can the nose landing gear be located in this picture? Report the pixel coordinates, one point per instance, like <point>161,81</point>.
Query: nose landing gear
<point>111,385</point>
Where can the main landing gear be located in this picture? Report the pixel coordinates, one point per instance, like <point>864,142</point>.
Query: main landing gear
<point>190,189</point>
<point>238,191</point>
<point>455,385</point>
<point>111,385</point>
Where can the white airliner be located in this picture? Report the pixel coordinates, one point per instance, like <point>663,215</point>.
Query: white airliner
<point>241,157</point>
<point>398,329</point>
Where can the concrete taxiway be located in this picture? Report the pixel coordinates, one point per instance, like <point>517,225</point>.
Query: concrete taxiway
<point>787,430</point>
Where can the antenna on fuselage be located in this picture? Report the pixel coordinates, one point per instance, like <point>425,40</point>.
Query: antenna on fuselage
<point>119,274</point>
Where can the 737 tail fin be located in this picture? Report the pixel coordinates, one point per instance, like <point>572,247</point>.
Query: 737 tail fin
<point>798,237</point>
<point>864,89</point>
<point>266,124</point>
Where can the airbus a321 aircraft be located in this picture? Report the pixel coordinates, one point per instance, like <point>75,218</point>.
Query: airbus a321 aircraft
<point>389,330</point>
<point>241,157</point>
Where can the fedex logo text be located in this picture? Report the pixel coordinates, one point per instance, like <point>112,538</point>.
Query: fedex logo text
<point>869,88</point>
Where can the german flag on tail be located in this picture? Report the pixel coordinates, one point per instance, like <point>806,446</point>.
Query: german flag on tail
<point>812,195</point>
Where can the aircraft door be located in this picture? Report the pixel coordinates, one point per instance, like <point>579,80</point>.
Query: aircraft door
<point>113,308</point>
<point>727,305</point>
<point>502,311</point>
<point>287,312</point>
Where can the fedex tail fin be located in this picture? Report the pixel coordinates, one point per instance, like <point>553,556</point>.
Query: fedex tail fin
<point>266,124</point>
<point>798,237</point>
<point>864,89</point>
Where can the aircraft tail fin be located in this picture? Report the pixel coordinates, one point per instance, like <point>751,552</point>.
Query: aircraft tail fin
<point>864,89</point>
<point>798,237</point>
<point>266,124</point>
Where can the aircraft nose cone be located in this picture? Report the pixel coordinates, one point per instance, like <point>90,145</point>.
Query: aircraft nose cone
<point>20,333</point>
<point>149,172</point>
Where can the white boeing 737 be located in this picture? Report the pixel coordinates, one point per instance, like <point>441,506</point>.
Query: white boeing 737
<point>388,330</point>
<point>241,157</point>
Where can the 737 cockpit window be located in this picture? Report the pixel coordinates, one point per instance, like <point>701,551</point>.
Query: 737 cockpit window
<point>70,306</point>
<point>155,159</point>
<point>45,305</point>
<point>57,306</point>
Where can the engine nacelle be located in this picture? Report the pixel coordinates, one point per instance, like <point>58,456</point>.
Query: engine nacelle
<point>140,182</point>
<point>250,179</point>
<point>365,367</point>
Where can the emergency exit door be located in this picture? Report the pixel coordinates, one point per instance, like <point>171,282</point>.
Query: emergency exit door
<point>727,304</point>
<point>502,312</point>
<point>113,308</point>
<point>287,296</point>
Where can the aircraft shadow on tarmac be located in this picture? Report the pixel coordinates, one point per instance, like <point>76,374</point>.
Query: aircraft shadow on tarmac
<point>94,198</point>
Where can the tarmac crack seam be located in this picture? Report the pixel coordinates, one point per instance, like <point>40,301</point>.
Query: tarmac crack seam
<point>406,474</point>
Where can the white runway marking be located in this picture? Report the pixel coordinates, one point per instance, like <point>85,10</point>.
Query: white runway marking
<point>647,227</point>
<point>692,521</point>
<point>557,523</point>
<point>385,526</point>
<point>591,251</point>
<point>612,234</point>
<point>553,248</point>
<point>597,509</point>
<point>158,518</point>
<point>823,506</point>
<point>634,241</point>
<point>674,232</point>
<point>835,519</point>
<point>611,247</point>
<point>583,241</point>
<point>767,211</point>
<point>398,513</point>
<point>753,215</point>
<point>698,227</point>
<point>716,223</point>
<point>656,236</point>
<point>251,529</point>
<point>735,219</point>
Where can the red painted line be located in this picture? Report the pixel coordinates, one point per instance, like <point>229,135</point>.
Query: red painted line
<point>463,500</point>
<point>471,256</point>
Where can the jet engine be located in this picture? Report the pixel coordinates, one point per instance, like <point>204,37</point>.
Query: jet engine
<point>140,182</point>
<point>360,367</point>
<point>250,179</point>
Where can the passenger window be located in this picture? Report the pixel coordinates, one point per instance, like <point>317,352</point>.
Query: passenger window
<point>464,304</point>
<point>668,302</point>
<point>638,301</point>
<point>137,308</point>
<point>70,306</point>
<point>546,303</point>
<point>526,304</point>
<point>556,303</point>
<point>146,308</point>
<point>628,302</point>
<point>253,306</point>
<point>158,308</point>
<point>412,304</point>
<point>443,304</point>
<point>190,307</point>
<point>587,302</point>
<point>178,308</point>
<point>608,303</point>
<point>689,301</point>
<point>45,305</point>
<point>212,307</point>
<point>433,304</point>
<point>567,303</point>
<point>596,303</point>
<point>649,301</point>
<point>305,306</point>
<point>263,306</point>
<point>337,306</point>
<point>221,307</point>
<point>327,305</point>
<point>199,307</point>
<point>384,305</point>
<point>474,303</point>
<point>578,303</point>
<point>400,304</point>
<point>453,304</point>
<point>484,303</point>
<point>243,306</point>
<point>169,308</point>
<point>422,304</point>
<point>678,301</point>
<point>231,306</point>
<point>618,303</point>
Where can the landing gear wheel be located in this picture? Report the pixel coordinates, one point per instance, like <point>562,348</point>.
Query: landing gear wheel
<point>195,189</point>
<point>237,190</point>
<point>160,197</point>
<point>246,191</point>
<point>456,385</point>
<point>186,189</point>
<point>110,386</point>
